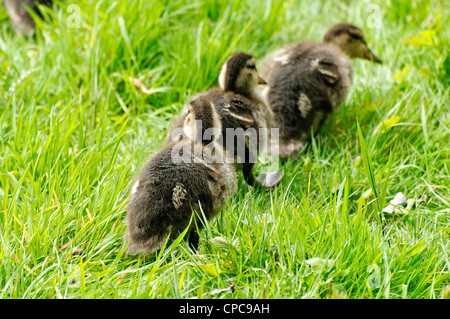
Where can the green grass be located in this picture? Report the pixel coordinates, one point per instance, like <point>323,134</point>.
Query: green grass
<point>74,130</point>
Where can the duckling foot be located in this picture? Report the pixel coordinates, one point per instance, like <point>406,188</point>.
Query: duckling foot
<point>271,179</point>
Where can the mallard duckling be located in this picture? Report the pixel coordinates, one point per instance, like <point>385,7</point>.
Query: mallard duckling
<point>181,178</point>
<point>21,20</point>
<point>167,190</point>
<point>307,81</point>
<point>239,105</point>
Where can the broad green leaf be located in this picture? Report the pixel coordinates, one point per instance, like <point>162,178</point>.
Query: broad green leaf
<point>428,35</point>
<point>425,38</point>
<point>416,41</point>
<point>387,124</point>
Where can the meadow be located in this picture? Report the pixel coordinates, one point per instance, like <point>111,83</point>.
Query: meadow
<point>87,100</point>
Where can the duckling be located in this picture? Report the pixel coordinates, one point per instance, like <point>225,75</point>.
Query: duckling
<point>21,20</point>
<point>176,181</point>
<point>167,190</point>
<point>307,81</point>
<point>239,105</point>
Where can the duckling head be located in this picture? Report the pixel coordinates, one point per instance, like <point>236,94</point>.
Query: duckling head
<point>202,123</point>
<point>351,39</point>
<point>239,74</point>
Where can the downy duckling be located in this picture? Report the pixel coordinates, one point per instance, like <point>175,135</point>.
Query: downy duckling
<point>167,190</point>
<point>242,112</point>
<point>307,81</point>
<point>21,20</point>
<point>176,181</point>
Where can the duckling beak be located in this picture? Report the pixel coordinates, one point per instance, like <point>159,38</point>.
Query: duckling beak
<point>372,57</point>
<point>261,80</point>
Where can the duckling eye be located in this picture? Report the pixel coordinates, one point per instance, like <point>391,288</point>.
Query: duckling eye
<point>251,66</point>
<point>357,37</point>
<point>323,62</point>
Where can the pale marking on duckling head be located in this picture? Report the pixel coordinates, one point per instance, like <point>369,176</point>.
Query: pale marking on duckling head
<point>247,79</point>
<point>304,105</point>
<point>222,76</point>
<point>233,74</point>
<point>261,93</point>
<point>178,195</point>
<point>134,188</point>
<point>265,94</point>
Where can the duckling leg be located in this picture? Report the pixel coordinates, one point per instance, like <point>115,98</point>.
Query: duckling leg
<point>247,170</point>
<point>193,240</point>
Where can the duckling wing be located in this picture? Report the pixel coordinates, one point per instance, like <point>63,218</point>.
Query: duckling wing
<point>237,110</point>
<point>328,70</point>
